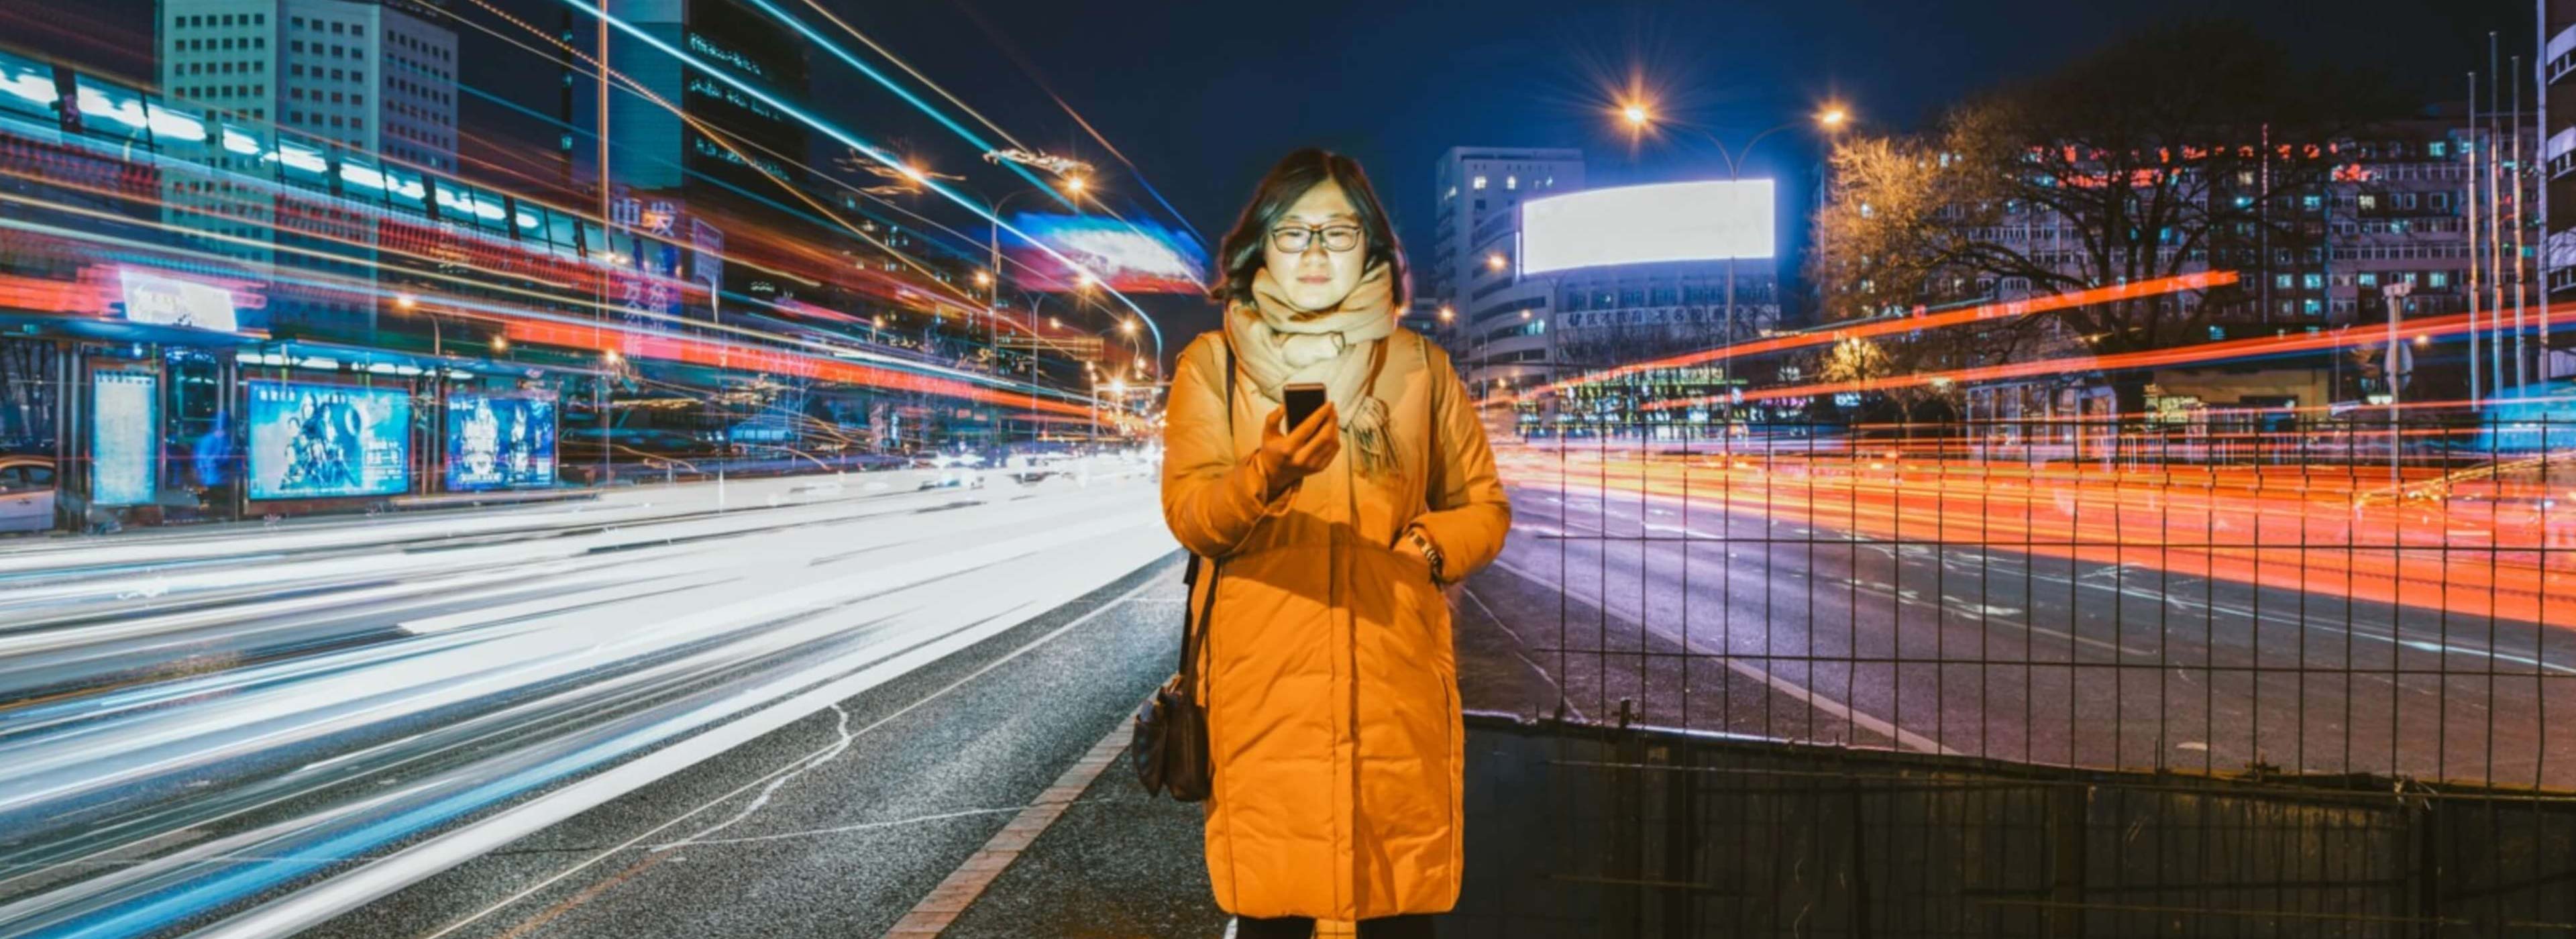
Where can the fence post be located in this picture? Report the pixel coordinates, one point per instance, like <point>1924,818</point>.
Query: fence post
<point>2426,830</point>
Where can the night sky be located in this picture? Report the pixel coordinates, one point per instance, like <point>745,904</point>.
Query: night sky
<point>1204,95</point>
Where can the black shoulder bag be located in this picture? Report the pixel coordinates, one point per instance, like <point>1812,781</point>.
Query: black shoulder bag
<point>1170,748</point>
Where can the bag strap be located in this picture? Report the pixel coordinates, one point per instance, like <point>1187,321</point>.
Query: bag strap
<point>1193,633</point>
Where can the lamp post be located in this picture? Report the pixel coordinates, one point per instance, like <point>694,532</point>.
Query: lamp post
<point>2395,293</point>
<point>1640,117</point>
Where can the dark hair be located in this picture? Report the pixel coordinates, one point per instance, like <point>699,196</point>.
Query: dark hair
<point>1239,256</point>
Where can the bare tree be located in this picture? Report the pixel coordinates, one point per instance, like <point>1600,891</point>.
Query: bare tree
<point>2180,150</point>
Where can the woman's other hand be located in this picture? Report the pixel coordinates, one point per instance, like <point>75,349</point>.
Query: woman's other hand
<point>1290,455</point>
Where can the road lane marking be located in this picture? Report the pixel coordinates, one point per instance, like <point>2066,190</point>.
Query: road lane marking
<point>330,898</point>
<point>1854,716</point>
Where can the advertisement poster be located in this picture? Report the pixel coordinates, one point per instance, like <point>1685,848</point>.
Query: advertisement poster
<point>124,422</point>
<point>500,441</point>
<point>319,441</point>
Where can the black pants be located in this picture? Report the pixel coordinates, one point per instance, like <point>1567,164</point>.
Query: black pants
<point>1299,927</point>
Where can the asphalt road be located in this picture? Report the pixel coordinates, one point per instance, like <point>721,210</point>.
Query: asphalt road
<point>262,729</point>
<point>1686,608</point>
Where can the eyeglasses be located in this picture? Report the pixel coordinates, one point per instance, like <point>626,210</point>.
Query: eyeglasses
<point>1295,239</point>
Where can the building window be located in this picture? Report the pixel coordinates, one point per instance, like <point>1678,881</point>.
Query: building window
<point>1479,183</point>
<point>2314,281</point>
<point>1511,182</point>
<point>295,45</point>
<point>2437,279</point>
<point>297,22</point>
<point>2437,149</point>
<point>338,28</point>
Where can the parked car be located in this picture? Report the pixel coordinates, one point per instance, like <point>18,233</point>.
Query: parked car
<point>26,493</point>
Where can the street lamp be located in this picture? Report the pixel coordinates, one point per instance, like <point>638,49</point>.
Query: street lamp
<point>2395,294</point>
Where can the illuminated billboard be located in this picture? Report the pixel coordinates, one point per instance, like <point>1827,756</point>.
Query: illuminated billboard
<point>1131,256</point>
<point>169,301</point>
<point>500,441</point>
<point>124,422</point>
<point>319,441</point>
<point>1704,221</point>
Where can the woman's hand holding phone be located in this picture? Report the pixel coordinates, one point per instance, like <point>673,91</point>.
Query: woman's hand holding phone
<point>1292,454</point>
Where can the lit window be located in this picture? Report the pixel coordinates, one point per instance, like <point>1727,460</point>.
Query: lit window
<point>1511,182</point>
<point>1479,183</point>
<point>2437,279</point>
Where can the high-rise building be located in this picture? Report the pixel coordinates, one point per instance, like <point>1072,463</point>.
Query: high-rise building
<point>724,153</point>
<point>2554,114</point>
<point>376,77</point>
<point>1477,186</point>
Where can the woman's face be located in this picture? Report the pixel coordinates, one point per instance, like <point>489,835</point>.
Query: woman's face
<point>1318,276</point>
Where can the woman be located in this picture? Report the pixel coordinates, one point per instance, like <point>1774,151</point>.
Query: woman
<point>1330,683</point>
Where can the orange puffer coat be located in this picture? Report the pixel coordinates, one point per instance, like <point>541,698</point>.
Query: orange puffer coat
<point>1330,679</point>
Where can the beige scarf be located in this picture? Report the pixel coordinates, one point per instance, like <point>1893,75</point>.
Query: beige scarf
<point>1282,345</point>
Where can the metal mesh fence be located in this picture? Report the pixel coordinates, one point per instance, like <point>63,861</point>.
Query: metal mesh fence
<point>2253,675</point>
<point>2286,596</point>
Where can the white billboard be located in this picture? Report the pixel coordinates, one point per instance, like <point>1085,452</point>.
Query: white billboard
<point>1702,221</point>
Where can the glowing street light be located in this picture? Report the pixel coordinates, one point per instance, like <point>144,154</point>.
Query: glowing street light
<point>1076,184</point>
<point>404,301</point>
<point>983,278</point>
<point>1447,314</point>
<point>1127,326</point>
<point>1833,117</point>
<point>500,343</point>
<point>1636,115</point>
<point>1495,261</point>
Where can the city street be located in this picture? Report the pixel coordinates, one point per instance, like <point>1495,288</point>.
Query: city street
<point>384,699</point>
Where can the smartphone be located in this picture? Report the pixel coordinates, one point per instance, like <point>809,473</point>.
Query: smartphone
<point>1302,401</point>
